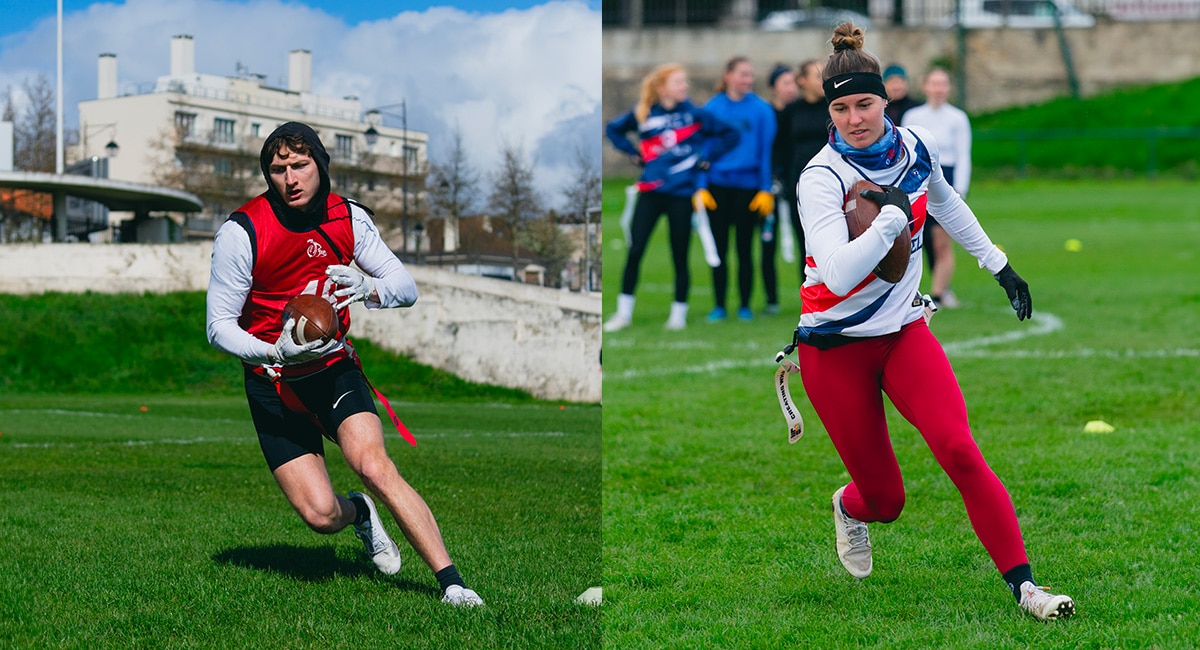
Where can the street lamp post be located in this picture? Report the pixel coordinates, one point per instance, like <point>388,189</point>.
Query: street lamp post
<point>372,135</point>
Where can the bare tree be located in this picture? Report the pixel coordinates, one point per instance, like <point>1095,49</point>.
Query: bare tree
<point>551,245</point>
<point>24,214</point>
<point>453,187</point>
<point>221,177</point>
<point>34,127</point>
<point>513,200</point>
<point>581,200</point>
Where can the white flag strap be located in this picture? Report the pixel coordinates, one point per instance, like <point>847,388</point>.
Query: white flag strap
<point>631,195</point>
<point>787,237</point>
<point>791,413</point>
<point>704,229</point>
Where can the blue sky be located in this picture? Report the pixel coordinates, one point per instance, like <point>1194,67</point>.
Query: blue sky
<point>518,72</point>
<point>21,15</point>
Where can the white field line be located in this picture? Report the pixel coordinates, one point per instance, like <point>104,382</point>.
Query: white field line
<point>241,440</point>
<point>1043,323</point>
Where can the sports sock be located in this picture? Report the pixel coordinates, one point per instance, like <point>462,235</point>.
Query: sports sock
<point>361,512</point>
<point>449,576</point>
<point>1016,576</point>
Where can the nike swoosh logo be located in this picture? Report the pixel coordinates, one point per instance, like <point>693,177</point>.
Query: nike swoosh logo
<point>339,400</point>
<point>839,84</point>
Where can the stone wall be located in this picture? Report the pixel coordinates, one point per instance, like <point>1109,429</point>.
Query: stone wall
<point>544,341</point>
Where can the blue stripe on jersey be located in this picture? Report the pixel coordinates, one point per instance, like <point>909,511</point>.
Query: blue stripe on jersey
<point>857,318</point>
<point>920,169</point>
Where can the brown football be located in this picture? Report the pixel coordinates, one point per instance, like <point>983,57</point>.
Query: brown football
<point>315,318</point>
<point>860,212</point>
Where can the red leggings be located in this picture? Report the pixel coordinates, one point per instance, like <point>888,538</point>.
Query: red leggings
<point>843,384</point>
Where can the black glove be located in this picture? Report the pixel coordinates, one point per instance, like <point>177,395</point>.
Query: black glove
<point>891,195</point>
<point>703,165</point>
<point>1017,290</point>
<point>636,158</point>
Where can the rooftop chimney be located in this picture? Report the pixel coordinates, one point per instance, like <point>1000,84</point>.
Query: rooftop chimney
<point>106,79</point>
<point>300,71</point>
<point>183,55</point>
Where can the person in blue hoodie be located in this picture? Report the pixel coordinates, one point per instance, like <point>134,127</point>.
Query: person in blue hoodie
<point>677,142</point>
<point>737,190</point>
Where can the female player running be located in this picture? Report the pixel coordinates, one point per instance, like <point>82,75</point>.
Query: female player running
<point>860,337</point>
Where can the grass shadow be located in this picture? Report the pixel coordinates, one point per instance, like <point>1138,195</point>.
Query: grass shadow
<point>310,564</point>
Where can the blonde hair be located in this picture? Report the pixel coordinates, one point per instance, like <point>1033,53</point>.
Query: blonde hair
<point>651,85</point>
<point>848,53</point>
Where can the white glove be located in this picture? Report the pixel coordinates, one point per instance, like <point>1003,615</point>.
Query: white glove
<point>287,351</point>
<point>357,286</point>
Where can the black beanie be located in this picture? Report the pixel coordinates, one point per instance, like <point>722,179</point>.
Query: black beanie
<point>315,149</point>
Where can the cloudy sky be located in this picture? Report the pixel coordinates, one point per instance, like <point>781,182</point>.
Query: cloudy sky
<point>514,71</point>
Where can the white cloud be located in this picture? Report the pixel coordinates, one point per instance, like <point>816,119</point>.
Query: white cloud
<point>520,76</point>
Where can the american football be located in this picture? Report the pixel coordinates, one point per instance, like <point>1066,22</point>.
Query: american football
<point>315,318</point>
<point>860,212</point>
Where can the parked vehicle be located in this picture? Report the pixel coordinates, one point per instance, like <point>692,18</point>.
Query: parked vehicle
<point>1019,14</point>
<point>822,17</point>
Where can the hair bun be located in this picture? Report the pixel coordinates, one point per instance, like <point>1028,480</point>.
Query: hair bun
<point>847,36</point>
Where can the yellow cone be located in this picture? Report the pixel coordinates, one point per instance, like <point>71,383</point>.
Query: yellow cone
<point>1098,426</point>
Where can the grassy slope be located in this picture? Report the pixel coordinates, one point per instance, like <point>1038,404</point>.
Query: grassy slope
<point>1147,107</point>
<point>127,343</point>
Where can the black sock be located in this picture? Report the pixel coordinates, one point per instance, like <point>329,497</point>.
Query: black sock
<point>1017,575</point>
<point>361,512</point>
<point>449,576</point>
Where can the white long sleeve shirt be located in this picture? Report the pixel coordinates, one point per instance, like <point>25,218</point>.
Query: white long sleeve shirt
<point>841,294</point>
<point>231,279</point>
<point>951,128</point>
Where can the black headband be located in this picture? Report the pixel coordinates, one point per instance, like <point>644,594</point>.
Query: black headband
<point>854,83</point>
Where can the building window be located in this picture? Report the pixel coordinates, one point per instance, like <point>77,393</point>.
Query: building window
<point>222,130</point>
<point>222,167</point>
<point>344,182</point>
<point>410,157</point>
<point>255,128</point>
<point>343,147</point>
<point>185,124</point>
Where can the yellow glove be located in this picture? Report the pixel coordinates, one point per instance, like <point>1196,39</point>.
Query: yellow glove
<point>705,198</point>
<point>763,203</point>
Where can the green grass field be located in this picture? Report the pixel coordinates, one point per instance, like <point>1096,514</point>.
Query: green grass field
<point>123,527</point>
<point>717,533</point>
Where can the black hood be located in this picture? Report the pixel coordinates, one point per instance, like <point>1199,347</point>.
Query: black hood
<point>315,210</point>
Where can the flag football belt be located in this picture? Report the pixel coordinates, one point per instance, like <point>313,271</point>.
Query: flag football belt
<point>791,413</point>
<point>280,376</point>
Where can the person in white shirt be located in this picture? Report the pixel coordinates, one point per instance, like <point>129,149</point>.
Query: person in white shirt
<point>861,337</point>
<point>952,130</point>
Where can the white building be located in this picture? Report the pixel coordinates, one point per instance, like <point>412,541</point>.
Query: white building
<point>203,132</point>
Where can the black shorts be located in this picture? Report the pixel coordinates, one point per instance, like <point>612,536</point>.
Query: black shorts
<point>333,395</point>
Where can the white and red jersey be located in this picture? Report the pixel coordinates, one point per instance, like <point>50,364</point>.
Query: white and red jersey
<point>841,295</point>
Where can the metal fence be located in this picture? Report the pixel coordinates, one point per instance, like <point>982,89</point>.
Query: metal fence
<point>794,14</point>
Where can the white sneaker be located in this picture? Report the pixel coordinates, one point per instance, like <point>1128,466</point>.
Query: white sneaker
<point>949,300</point>
<point>853,545</point>
<point>617,323</point>
<point>1043,605</point>
<point>379,546</point>
<point>460,596</point>
<point>678,319</point>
